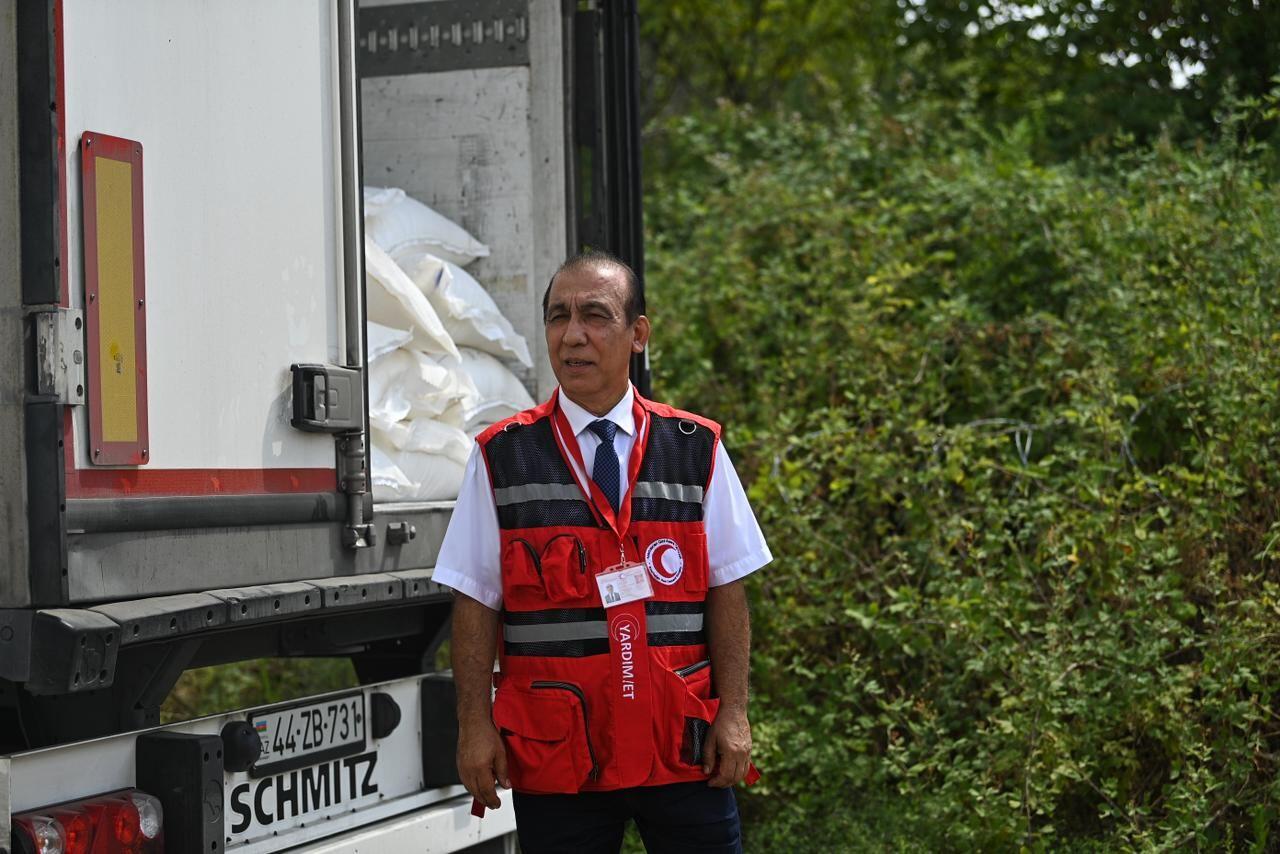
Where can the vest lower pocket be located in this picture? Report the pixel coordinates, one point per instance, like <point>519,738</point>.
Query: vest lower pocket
<point>699,710</point>
<point>689,712</point>
<point>546,734</point>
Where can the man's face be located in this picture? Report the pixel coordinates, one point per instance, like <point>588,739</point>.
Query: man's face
<point>589,340</point>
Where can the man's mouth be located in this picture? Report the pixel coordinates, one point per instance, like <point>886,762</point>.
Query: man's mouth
<point>578,363</point>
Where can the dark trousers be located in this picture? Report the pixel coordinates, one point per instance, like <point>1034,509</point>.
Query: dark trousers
<point>681,818</point>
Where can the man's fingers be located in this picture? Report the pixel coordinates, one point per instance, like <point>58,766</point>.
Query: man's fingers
<point>488,792</point>
<point>733,757</point>
<point>713,754</point>
<point>470,783</point>
<point>480,785</point>
<point>500,766</point>
<point>722,780</point>
<point>481,759</point>
<point>727,774</point>
<point>709,752</point>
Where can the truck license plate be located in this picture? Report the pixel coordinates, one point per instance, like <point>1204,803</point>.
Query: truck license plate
<point>309,733</point>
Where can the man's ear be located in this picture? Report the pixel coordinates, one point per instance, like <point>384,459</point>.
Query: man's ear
<point>641,338</point>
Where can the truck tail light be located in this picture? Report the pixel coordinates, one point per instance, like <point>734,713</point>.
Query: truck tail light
<point>125,822</point>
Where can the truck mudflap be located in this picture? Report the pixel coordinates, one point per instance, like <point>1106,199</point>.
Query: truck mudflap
<point>351,764</point>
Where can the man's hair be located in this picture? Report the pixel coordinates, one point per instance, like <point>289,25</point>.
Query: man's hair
<point>634,305</point>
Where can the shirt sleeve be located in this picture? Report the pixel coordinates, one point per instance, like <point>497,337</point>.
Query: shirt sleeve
<point>469,560</point>
<point>735,543</point>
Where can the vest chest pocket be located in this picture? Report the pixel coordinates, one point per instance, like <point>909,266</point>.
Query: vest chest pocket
<point>696,564</point>
<point>557,570</point>
<point>676,560</point>
<point>564,568</point>
<point>545,731</point>
<point>521,564</point>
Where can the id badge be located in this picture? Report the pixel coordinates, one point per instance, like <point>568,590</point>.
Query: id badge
<point>624,583</point>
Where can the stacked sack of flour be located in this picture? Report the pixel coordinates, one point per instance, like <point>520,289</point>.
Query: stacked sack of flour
<point>437,343</point>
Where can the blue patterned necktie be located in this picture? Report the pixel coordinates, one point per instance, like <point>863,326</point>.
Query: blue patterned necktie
<point>605,472</point>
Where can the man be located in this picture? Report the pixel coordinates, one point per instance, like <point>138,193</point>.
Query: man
<point>604,711</point>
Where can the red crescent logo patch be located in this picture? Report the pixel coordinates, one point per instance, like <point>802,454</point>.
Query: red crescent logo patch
<point>664,560</point>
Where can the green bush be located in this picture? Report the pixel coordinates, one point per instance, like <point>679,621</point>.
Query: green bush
<point>244,684</point>
<point>1010,430</point>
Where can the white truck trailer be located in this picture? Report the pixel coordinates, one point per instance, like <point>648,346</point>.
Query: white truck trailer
<point>184,441</point>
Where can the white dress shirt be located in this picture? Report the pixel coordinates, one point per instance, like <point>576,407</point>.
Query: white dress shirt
<point>470,556</point>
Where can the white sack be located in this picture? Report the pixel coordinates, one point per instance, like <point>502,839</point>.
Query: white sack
<point>468,313</point>
<point>455,415</point>
<point>389,396</point>
<point>379,199</point>
<point>427,436</point>
<point>394,300</point>
<point>500,393</point>
<point>381,340</point>
<point>454,388</point>
<point>406,383</point>
<point>400,224</point>
<point>385,476</point>
<point>414,476</point>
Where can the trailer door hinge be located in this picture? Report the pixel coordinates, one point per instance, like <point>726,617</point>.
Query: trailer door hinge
<point>327,398</point>
<point>60,355</point>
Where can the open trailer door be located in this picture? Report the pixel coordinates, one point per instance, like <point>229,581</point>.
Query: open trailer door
<point>183,245</point>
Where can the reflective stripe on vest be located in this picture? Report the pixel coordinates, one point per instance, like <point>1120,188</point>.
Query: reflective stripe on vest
<point>670,491</point>
<point>508,495</point>
<point>536,492</point>
<point>581,632</point>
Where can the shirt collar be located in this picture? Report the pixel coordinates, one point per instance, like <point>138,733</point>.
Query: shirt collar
<point>622,413</point>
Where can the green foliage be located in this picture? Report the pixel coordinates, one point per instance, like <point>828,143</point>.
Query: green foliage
<point>211,690</point>
<point>1070,74</point>
<point>1010,431</point>
<point>762,51</point>
<point>1087,71</point>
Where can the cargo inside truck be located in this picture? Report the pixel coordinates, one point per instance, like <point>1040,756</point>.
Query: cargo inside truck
<point>230,428</point>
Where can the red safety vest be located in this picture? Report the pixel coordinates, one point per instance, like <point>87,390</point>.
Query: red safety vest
<point>590,699</point>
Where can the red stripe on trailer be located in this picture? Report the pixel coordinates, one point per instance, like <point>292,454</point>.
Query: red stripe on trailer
<point>139,483</point>
<point>145,483</point>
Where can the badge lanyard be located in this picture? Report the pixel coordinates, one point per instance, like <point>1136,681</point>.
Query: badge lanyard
<point>567,441</point>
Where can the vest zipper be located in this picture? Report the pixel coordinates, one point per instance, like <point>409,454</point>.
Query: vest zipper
<point>586,722</point>
<point>582,552</point>
<point>533,553</point>
<point>690,669</point>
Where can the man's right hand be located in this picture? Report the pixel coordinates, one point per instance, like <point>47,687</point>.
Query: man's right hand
<point>482,760</point>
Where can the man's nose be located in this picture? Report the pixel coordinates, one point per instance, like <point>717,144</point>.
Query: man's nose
<point>575,331</point>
